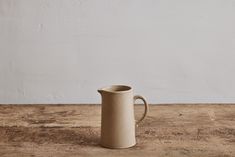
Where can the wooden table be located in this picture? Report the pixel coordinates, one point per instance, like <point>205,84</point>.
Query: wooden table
<point>74,130</point>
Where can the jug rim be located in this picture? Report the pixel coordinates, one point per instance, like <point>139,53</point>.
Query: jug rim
<point>115,89</point>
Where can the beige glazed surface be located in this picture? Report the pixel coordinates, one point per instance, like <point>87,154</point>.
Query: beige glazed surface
<point>117,119</point>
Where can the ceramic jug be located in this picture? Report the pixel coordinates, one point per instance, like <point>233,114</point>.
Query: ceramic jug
<point>117,117</point>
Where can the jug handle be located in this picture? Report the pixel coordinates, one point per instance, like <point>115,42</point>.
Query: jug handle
<point>145,110</point>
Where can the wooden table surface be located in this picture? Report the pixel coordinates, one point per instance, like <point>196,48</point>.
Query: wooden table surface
<point>199,130</point>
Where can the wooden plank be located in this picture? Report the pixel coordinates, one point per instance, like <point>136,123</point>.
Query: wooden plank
<point>74,130</point>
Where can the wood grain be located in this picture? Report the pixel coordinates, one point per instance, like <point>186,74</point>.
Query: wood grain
<point>194,130</point>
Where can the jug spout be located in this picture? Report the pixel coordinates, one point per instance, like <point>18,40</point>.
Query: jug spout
<point>100,91</point>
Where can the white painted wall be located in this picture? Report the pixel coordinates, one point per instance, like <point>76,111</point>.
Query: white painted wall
<point>171,51</point>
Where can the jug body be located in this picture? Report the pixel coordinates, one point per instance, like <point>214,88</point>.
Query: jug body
<point>117,116</point>
<point>117,120</point>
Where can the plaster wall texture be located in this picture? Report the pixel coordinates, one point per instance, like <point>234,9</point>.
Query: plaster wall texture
<point>61,51</point>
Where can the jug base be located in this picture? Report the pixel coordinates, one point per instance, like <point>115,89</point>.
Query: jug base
<point>119,147</point>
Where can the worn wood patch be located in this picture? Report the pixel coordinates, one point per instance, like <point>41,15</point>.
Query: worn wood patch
<point>74,130</point>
